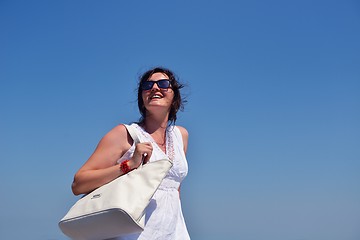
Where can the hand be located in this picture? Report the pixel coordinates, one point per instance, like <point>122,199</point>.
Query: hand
<point>142,152</point>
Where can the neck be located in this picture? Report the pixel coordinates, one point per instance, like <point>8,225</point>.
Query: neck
<point>154,123</point>
<point>157,129</point>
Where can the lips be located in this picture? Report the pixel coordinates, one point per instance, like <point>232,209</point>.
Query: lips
<point>156,96</point>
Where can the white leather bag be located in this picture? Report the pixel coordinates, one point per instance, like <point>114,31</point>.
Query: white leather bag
<point>117,208</point>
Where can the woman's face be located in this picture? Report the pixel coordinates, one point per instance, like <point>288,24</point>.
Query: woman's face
<point>156,97</point>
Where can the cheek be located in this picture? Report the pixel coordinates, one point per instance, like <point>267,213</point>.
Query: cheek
<point>143,96</point>
<point>171,98</point>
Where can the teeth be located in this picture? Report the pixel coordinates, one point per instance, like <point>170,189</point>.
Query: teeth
<point>156,96</point>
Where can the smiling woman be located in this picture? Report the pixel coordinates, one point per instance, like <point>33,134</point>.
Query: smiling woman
<point>159,100</point>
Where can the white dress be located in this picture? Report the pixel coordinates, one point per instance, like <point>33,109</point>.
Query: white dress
<point>164,219</point>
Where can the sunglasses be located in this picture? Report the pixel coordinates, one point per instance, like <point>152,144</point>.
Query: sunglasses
<point>162,84</point>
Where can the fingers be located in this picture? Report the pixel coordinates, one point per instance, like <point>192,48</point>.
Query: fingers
<point>146,151</point>
<point>142,152</point>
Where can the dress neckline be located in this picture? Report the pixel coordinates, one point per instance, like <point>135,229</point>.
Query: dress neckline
<point>169,146</point>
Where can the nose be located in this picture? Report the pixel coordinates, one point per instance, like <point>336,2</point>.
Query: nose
<point>155,87</point>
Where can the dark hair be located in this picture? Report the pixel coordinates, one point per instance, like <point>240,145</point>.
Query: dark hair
<point>178,102</point>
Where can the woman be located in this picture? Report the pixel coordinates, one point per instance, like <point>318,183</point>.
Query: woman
<point>159,100</point>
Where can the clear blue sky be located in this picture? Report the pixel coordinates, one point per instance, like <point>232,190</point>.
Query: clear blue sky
<point>273,109</point>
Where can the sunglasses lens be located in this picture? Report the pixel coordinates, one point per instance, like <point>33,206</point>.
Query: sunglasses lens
<point>163,84</point>
<point>147,85</point>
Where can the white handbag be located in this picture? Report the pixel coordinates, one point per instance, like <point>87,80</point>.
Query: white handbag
<point>118,207</point>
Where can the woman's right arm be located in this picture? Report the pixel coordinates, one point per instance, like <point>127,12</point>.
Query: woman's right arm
<point>102,167</point>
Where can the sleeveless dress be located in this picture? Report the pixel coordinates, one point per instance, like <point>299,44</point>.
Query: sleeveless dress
<point>163,218</point>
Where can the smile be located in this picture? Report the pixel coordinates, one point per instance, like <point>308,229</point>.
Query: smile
<point>156,96</point>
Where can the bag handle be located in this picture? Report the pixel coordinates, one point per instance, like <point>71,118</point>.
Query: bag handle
<point>135,138</point>
<point>132,133</point>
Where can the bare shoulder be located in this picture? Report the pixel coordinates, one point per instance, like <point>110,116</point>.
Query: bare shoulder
<point>117,136</point>
<point>185,136</point>
<point>184,132</point>
<point>118,131</point>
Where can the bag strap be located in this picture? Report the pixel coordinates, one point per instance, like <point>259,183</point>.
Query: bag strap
<point>131,130</point>
<point>132,133</point>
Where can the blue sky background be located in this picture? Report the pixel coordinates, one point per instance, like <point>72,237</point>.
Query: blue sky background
<point>273,109</point>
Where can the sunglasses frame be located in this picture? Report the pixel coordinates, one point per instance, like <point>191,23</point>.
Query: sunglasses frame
<point>157,83</point>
